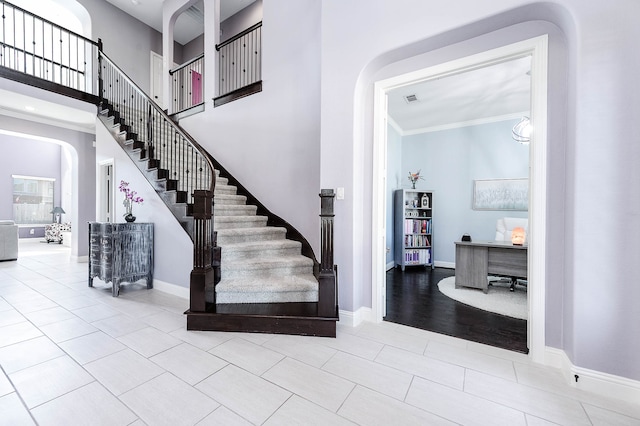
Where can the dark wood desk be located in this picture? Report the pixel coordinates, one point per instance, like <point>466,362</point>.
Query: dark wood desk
<point>476,260</point>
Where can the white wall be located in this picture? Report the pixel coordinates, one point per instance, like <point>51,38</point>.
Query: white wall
<point>173,249</point>
<point>270,141</point>
<point>591,312</point>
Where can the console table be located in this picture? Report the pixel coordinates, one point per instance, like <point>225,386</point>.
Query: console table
<point>476,260</point>
<point>120,252</point>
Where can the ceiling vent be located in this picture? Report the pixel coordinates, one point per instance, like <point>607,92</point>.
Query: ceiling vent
<point>411,98</point>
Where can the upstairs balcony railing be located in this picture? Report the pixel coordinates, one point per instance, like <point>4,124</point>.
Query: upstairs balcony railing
<point>240,64</point>
<point>37,47</point>
<point>187,85</point>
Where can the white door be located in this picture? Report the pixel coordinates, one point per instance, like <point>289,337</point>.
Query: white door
<point>157,68</point>
<point>107,192</point>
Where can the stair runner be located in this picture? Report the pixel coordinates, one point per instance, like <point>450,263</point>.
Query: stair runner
<point>259,265</point>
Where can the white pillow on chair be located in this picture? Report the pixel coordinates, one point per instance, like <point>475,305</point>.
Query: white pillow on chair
<point>505,225</point>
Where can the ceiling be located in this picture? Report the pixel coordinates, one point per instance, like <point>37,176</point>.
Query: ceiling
<point>190,24</point>
<point>483,94</point>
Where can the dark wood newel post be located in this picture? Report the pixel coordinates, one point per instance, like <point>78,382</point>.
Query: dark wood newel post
<point>202,276</point>
<point>327,292</point>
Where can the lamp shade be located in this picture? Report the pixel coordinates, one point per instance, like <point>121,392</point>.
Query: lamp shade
<point>58,210</point>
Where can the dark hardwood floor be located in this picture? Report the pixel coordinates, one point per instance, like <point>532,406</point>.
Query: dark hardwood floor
<point>413,299</point>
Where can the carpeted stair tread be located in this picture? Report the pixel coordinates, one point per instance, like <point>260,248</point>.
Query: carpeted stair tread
<point>240,235</point>
<point>262,245</point>
<point>229,199</point>
<point>225,189</point>
<point>255,249</point>
<point>290,283</point>
<point>233,210</point>
<point>229,222</point>
<point>292,288</point>
<point>266,263</point>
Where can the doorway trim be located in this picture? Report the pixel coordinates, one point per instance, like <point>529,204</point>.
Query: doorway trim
<point>105,208</point>
<point>537,48</point>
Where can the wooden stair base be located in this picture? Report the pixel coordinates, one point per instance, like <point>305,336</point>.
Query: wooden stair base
<point>279,318</point>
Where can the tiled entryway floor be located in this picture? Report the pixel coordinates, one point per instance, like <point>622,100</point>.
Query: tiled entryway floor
<point>73,355</point>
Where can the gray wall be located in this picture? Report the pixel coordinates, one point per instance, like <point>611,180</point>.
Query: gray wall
<point>126,41</point>
<point>450,160</point>
<point>270,141</point>
<point>193,49</point>
<point>588,147</point>
<point>173,249</point>
<point>242,20</point>
<point>82,144</point>
<point>26,157</point>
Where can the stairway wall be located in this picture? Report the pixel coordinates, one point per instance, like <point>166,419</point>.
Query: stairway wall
<point>270,141</point>
<point>173,249</point>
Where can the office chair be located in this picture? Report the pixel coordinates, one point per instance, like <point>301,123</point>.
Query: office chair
<point>504,228</point>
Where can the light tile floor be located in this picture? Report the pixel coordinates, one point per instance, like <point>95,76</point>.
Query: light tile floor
<point>73,355</point>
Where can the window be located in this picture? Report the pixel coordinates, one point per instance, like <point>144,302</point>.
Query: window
<point>32,199</point>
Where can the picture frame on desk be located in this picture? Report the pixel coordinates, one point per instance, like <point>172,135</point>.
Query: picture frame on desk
<point>501,194</point>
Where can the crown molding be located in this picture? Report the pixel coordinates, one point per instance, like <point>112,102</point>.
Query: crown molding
<point>460,124</point>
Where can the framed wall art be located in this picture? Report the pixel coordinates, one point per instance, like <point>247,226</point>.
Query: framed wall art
<point>501,194</point>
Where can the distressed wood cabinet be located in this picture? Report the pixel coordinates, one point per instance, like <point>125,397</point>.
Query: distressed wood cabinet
<point>120,252</point>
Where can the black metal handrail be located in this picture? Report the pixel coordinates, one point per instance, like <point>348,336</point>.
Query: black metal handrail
<point>27,45</point>
<point>239,35</point>
<point>187,85</point>
<point>172,147</point>
<point>240,60</point>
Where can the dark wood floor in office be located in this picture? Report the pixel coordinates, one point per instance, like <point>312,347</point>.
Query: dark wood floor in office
<point>413,299</point>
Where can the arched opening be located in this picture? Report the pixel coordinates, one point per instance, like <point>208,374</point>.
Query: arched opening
<point>68,172</point>
<point>76,161</point>
<point>386,82</point>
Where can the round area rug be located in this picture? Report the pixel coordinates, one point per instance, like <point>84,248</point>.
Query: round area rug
<point>498,300</point>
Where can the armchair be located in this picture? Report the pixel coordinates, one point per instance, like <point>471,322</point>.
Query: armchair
<point>53,232</point>
<point>8,240</point>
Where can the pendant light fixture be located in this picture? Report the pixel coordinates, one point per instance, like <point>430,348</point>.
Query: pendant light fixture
<point>521,132</point>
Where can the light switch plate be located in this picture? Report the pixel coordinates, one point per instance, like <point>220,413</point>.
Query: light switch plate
<point>340,193</point>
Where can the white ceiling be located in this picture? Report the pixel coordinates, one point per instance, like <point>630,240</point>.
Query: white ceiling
<point>190,24</point>
<point>496,91</point>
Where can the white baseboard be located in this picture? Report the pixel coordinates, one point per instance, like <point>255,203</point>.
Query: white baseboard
<point>356,318</point>
<point>80,259</point>
<point>176,290</point>
<point>591,380</point>
<point>449,265</point>
<point>391,265</point>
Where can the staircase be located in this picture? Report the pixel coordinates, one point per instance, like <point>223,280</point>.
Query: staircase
<point>252,270</point>
<point>258,265</point>
<point>264,283</point>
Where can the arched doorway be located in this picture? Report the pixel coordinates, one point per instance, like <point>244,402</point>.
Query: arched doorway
<point>537,48</point>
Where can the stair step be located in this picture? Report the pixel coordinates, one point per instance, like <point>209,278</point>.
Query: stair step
<point>245,235</point>
<point>233,210</point>
<point>228,199</point>
<point>230,222</point>
<point>221,180</point>
<point>293,288</point>
<point>225,189</point>
<point>254,249</point>
<point>264,266</point>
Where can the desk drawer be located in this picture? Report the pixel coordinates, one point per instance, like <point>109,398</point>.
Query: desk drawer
<point>510,262</point>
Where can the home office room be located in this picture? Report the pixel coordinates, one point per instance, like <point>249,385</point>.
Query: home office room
<point>457,184</point>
